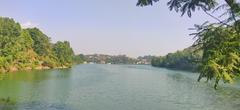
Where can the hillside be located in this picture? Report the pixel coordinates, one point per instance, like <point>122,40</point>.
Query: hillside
<point>26,49</point>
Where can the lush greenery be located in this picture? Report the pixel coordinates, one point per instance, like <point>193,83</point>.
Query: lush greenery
<point>221,53</point>
<point>64,53</point>
<point>79,59</point>
<point>188,59</point>
<point>219,41</point>
<point>22,49</point>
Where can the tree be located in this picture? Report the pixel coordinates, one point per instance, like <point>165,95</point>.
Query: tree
<point>186,59</point>
<point>22,49</point>
<point>43,47</point>
<point>221,54</point>
<point>41,42</point>
<point>26,55</point>
<point>189,6</point>
<point>9,33</point>
<point>220,41</point>
<point>78,59</point>
<point>64,53</point>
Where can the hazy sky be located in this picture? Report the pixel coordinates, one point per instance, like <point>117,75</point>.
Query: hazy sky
<point>106,26</point>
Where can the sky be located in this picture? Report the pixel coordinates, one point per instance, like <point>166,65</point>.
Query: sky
<point>107,26</point>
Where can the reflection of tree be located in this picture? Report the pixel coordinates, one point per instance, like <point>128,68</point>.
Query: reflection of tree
<point>3,76</point>
<point>35,76</point>
<point>45,85</point>
<point>30,86</point>
<point>58,89</point>
<point>7,104</point>
<point>62,73</point>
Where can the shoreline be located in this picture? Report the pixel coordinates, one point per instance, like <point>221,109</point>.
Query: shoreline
<point>15,69</point>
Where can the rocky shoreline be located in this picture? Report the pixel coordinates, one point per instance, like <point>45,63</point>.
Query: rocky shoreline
<point>15,69</point>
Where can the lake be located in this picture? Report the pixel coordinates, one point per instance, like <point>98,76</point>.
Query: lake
<point>113,87</point>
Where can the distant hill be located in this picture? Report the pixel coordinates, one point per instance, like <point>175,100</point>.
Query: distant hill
<point>112,59</point>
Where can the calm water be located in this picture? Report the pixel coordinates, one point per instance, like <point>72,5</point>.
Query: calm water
<point>113,87</point>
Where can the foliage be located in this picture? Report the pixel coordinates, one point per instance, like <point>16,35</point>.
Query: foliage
<point>219,41</point>
<point>29,48</point>
<point>42,45</point>
<point>183,60</point>
<point>78,59</point>
<point>63,52</point>
<point>221,48</point>
<point>9,33</point>
<point>189,6</point>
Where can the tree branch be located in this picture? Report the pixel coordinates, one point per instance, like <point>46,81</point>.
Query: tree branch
<point>221,22</point>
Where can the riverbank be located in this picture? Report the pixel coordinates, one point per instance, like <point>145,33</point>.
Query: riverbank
<point>15,69</point>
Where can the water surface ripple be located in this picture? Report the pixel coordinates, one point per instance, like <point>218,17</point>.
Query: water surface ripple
<point>113,87</point>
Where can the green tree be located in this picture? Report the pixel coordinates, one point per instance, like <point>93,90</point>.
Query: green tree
<point>29,48</point>
<point>26,55</point>
<point>221,53</point>
<point>184,60</point>
<point>64,53</point>
<point>9,33</point>
<point>219,41</point>
<point>43,47</point>
<point>41,42</point>
<point>189,6</point>
<point>78,59</point>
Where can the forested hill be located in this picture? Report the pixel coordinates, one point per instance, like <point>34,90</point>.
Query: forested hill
<point>112,59</point>
<point>187,59</point>
<point>25,49</point>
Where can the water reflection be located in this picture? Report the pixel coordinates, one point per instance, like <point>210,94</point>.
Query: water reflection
<point>113,87</point>
<point>36,75</point>
<point>27,86</point>
<point>7,104</point>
